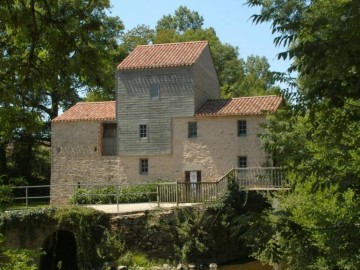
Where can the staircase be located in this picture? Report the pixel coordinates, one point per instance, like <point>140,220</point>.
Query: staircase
<point>256,178</point>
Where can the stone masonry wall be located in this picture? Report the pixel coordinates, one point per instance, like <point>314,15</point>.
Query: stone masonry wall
<point>76,154</point>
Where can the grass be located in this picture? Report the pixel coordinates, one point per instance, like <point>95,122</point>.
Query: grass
<point>17,205</point>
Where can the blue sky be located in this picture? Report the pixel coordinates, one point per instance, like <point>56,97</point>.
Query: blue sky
<point>229,18</point>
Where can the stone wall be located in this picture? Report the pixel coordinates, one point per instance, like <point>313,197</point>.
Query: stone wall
<point>155,234</point>
<point>76,154</point>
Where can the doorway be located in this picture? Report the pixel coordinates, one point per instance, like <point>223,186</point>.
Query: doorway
<point>60,252</point>
<point>193,184</point>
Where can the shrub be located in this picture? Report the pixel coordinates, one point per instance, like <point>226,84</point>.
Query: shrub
<point>113,194</point>
<point>6,195</point>
<point>137,260</point>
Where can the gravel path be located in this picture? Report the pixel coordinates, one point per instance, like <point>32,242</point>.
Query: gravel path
<point>135,207</point>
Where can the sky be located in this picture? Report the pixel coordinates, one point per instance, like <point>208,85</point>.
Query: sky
<point>230,19</point>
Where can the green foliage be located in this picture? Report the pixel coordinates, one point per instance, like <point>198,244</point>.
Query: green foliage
<point>113,194</point>
<point>110,247</point>
<point>182,20</point>
<point>32,217</point>
<point>94,242</point>
<point>51,53</point>
<point>89,226</point>
<point>323,38</point>
<point>6,195</point>
<point>315,225</point>
<point>14,259</point>
<point>136,260</point>
<point>193,233</point>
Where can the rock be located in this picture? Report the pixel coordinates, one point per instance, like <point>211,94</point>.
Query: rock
<point>156,268</point>
<point>180,267</point>
<point>122,267</point>
<point>166,267</point>
<point>192,266</point>
<point>213,266</point>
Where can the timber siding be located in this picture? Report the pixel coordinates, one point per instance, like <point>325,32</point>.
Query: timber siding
<point>183,90</point>
<point>206,80</point>
<point>135,107</point>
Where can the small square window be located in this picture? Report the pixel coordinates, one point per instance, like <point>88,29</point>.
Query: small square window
<point>242,128</point>
<point>242,162</point>
<point>143,131</point>
<point>144,166</point>
<point>192,129</point>
<point>154,91</point>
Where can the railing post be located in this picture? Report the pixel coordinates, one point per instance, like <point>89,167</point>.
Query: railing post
<point>117,198</point>
<point>177,193</point>
<point>158,194</point>
<point>27,197</point>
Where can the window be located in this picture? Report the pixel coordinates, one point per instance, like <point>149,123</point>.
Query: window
<point>109,139</point>
<point>242,162</point>
<point>192,129</point>
<point>143,131</point>
<point>144,166</point>
<point>154,91</point>
<point>241,127</point>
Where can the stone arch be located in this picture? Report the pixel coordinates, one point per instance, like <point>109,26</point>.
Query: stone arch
<point>59,249</point>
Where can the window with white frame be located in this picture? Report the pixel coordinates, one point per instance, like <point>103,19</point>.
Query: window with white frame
<point>143,131</point>
<point>241,128</point>
<point>242,162</point>
<point>144,166</point>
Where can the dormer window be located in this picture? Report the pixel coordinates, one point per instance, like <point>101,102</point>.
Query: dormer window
<point>154,91</point>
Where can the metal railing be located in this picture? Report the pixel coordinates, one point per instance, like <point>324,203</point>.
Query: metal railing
<point>259,178</point>
<point>28,196</point>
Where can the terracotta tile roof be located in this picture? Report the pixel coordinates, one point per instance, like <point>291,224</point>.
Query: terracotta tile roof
<point>89,111</point>
<point>163,55</point>
<point>240,106</point>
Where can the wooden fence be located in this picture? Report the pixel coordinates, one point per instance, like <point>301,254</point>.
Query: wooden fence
<point>186,192</point>
<point>259,178</point>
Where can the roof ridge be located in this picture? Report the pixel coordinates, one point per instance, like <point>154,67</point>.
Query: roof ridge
<point>242,97</point>
<point>173,43</point>
<point>261,96</point>
<point>95,102</point>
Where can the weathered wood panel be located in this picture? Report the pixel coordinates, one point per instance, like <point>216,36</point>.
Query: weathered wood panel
<point>135,107</point>
<point>206,80</point>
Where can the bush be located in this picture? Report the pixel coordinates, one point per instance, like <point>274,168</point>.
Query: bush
<point>113,194</point>
<point>136,260</point>
<point>6,195</point>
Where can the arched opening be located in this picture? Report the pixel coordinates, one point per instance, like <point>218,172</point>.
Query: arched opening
<point>59,252</point>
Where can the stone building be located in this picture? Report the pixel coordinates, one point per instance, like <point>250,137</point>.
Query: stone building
<point>167,123</point>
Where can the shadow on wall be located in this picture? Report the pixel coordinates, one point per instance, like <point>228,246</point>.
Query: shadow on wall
<point>59,252</point>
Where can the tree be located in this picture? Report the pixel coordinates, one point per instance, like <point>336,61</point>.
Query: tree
<point>182,20</point>
<point>316,139</point>
<point>52,52</point>
<point>322,37</point>
<point>236,77</point>
<point>257,79</point>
